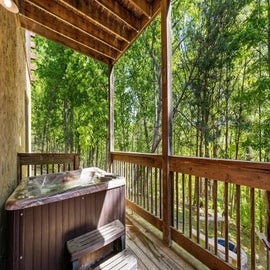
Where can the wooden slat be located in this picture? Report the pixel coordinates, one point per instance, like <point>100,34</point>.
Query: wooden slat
<point>244,173</point>
<point>190,205</point>
<point>156,192</point>
<point>145,21</point>
<point>92,11</point>
<point>215,188</point>
<point>176,192</point>
<point>238,225</point>
<point>151,160</point>
<point>226,221</point>
<point>144,6</point>
<point>49,21</point>
<point>100,26</point>
<point>124,260</point>
<point>198,252</point>
<point>80,23</point>
<point>184,203</point>
<point>57,37</point>
<point>146,215</point>
<point>95,239</point>
<point>151,253</point>
<point>121,13</point>
<point>206,211</point>
<point>44,158</point>
<point>198,195</point>
<point>151,192</point>
<point>252,229</point>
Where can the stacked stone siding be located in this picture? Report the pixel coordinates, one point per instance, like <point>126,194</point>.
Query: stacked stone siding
<point>14,82</point>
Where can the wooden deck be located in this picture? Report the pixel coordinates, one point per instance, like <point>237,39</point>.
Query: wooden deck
<point>145,243</point>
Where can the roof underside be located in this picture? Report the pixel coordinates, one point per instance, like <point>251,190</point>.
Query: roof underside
<point>102,29</point>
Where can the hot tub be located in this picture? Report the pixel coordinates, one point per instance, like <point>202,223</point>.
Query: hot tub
<point>46,211</point>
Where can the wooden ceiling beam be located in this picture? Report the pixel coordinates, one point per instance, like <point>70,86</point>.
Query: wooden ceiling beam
<point>55,36</point>
<point>121,13</point>
<point>144,6</point>
<point>145,22</point>
<point>101,29</point>
<point>79,22</point>
<point>41,16</point>
<point>91,11</point>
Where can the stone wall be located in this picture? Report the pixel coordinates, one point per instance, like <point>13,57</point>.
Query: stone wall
<point>14,82</point>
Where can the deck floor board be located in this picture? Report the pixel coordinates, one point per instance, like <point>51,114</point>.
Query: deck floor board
<point>151,253</point>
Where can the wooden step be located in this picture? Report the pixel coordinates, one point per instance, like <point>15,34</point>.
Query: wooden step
<point>94,240</point>
<point>123,260</point>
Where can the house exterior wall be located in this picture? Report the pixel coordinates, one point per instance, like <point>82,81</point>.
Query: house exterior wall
<point>14,86</point>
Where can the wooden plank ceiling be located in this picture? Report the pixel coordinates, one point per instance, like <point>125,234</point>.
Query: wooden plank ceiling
<point>101,29</point>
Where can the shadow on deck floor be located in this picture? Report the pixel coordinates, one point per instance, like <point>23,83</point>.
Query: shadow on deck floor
<point>145,242</point>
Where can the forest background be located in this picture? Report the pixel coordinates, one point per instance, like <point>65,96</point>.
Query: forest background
<point>221,93</point>
<point>221,88</point>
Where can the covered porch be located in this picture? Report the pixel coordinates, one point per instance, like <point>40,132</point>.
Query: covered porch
<point>186,200</point>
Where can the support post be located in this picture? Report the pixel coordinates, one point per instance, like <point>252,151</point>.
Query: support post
<point>110,137</point>
<point>267,197</point>
<point>166,117</point>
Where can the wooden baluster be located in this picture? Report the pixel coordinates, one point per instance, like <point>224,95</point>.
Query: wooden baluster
<point>137,185</point>
<point>160,192</point>
<point>133,183</point>
<point>226,221</point>
<point>156,187</point>
<point>35,170</point>
<point>144,189</point>
<point>238,225</point>
<point>183,203</point>
<point>252,229</point>
<point>190,204</point>
<point>152,191</point>
<point>215,186</point>
<point>177,200</point>
<point>206,211</point>
<point>197,183</point>
<point>148,191</point>
<point>129,181</point>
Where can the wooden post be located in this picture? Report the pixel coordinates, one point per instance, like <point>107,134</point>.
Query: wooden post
<point>267,197</point>
<point>166,117</point>
<point>110,137</point>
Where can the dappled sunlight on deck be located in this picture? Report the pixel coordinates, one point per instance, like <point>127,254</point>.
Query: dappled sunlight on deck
<point>146,244</point>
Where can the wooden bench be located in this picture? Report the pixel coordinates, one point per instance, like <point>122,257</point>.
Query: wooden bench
<point>123,260</point>
<point>96,239</point>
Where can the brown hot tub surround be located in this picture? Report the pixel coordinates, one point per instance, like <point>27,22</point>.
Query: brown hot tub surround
<point>46,211</point>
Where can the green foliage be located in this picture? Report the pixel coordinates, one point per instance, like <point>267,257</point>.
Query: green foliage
<point>220,87</point>
<point>69,111</point>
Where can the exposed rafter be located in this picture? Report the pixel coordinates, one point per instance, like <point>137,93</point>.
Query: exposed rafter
<point>101,29</point>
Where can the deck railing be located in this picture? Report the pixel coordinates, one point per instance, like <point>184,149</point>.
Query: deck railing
<point>218,207</point>
<point>32,164</point>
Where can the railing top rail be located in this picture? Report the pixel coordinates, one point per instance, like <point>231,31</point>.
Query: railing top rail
<point>246,173</point>
<point>151,160</point>
<point>228,162</point>
<point>251,174</point>
<point>46,158</point>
